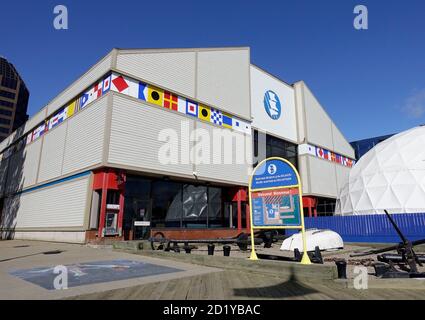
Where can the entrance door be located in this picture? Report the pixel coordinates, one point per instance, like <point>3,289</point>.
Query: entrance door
<point>231,214</point>
<point>142,219</point>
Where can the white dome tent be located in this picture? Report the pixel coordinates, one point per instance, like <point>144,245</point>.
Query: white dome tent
<point>390,176</point>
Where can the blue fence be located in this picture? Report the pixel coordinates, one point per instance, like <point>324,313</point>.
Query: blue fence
<point>371,228</point>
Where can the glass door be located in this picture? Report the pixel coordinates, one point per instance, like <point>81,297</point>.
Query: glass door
<point>141,219</point>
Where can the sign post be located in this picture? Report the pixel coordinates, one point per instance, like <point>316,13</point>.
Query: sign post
<point>275,200</point>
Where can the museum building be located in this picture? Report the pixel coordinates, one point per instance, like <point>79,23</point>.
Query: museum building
<point>117,154</point>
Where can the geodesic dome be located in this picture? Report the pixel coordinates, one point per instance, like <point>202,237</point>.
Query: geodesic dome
<point>390,176</point>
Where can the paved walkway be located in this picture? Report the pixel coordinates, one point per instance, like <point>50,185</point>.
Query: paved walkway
<point>190,281</point>
<point>29,256</point>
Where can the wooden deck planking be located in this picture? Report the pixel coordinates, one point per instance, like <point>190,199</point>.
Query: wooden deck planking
<point>231,284</point>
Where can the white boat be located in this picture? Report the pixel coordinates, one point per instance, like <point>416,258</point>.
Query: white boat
<point>324,239</point>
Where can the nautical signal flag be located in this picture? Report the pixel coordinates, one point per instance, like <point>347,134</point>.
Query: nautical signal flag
<point>227,121</point>
<point>119,84</point>
<point>143,91</point>
<point>97,91</point>
<point>170,101</point>
<point>204,113</point>
<point>70,109</point>
<point>191,108</point>
<point>106,84</point>
<point>216,116</point>
<point>155,96</point>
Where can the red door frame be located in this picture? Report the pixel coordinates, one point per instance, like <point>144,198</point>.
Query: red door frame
<point>109,179</point>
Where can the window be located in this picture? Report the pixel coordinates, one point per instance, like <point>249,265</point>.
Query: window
<point>6,112</point>
<point>325,207</point>
<point>166,203</point>
<point>4,121</point>
<point>7,94</point>
<point>174,204</point>
<point>9,83</point>
<point>275,147</point>
<point>6,104</point>
<point>4,130</point>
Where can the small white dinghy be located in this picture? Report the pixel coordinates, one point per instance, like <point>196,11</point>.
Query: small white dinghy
<point>324,239</point>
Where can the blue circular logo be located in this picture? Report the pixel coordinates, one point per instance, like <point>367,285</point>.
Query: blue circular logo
<point>272,105</point>
<point>272,169</point>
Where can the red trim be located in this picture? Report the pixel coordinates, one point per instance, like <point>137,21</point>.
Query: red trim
<point>109,179</point>
<point>239,210</point>
<point>311,204</point>
<point>121,202</point>
<point>102,216</point>
<point>248,218</point>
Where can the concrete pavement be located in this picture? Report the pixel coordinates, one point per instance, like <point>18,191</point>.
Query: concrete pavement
<point>18,255</point>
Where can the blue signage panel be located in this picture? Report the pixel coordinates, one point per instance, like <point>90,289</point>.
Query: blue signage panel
<point>276,208</point>
<point>274,174</point>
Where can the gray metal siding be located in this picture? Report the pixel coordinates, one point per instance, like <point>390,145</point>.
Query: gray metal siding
<point>322,177</point>
<point>35,120</point>
<point>84,140</point>
<point>217,169</point>
<point>223,80</point>
<point>3,174</point>
<point>135,131</point>
<point>172,70</point>
<point>341,145</point>
<point>81,84</point>
<point>318,123</point>
<point>304,173</point>
<point>23,166</point>
<point>52,153</point>
<point>62,205</point>
<point>342,174</point>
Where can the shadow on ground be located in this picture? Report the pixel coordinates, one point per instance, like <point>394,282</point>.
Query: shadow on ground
<point>290,288</point>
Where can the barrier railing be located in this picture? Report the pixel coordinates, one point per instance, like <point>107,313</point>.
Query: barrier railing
<point>371,228</point>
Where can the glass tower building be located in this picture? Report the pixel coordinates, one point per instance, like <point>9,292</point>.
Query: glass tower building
<point>14,97</point>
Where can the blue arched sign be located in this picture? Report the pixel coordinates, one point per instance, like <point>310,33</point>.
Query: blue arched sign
<point>275,199</point>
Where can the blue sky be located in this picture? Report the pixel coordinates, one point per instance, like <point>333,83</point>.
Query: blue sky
<point>371,82</point>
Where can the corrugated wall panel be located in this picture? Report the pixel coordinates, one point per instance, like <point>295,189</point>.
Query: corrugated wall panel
<point>22,171</point>
<point>341,145</point>
<point>322,177</point>
<point>84,140</point>
<point>237,172</point>
<point>173,70</point>
<point>223,80</point>
<point>4,144</point>
<point>318,123</point>
<point>342,174</point>
<point>3,174</point>
<point>81,84</point>
<point>62,205</point>
<point>303,171</point>
<point>52,153</point>
<point>135,133</point>
<point>35,120</point>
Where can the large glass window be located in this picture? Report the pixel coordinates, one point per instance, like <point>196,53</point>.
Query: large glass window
<point>174,204</point>
<point>166,204</point>
<point>275,147</point>
<point>195,206</point>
